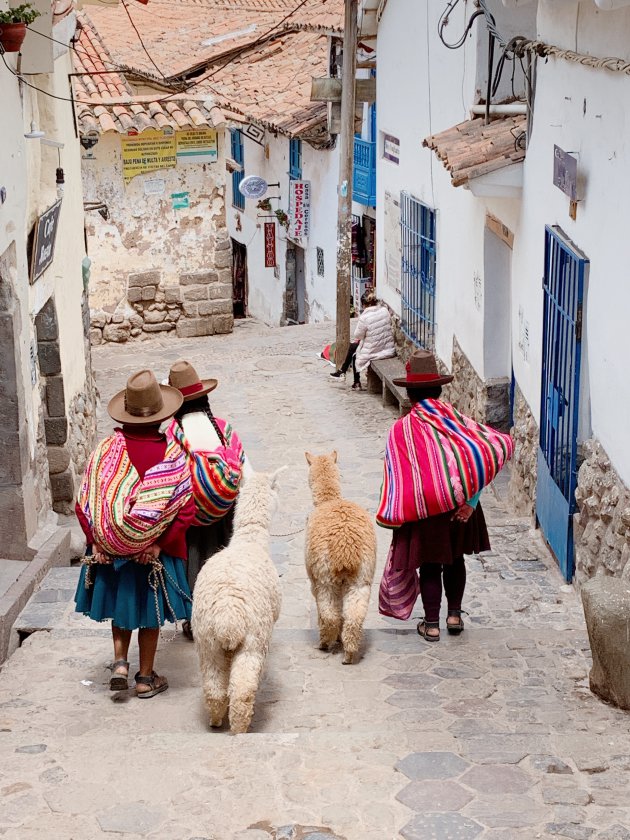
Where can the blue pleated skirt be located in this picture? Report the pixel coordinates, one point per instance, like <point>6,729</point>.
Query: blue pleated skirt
<point>122,592</point>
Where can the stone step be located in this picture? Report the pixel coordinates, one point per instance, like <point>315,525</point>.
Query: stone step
<point>48,604</point>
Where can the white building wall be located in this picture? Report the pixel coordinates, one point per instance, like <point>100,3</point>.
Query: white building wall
<point>266,287</point>
<point>585,111</point>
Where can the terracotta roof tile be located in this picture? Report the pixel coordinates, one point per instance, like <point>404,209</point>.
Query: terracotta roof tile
<point>472,148</point>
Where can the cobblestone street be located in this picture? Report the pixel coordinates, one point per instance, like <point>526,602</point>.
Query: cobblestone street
<point>492,735</point>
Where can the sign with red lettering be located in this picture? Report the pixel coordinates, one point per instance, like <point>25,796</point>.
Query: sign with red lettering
<point>299,209</point>
<point>270,244</point>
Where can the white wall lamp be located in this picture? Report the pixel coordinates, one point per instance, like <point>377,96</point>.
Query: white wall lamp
<point>37,134</point>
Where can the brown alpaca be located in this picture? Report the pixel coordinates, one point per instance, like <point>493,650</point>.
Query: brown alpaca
<point>340,558</point>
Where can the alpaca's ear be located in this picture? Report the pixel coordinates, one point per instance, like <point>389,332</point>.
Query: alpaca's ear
<point>274,476</point>
<point>333,455</point>
<point>309,458</point>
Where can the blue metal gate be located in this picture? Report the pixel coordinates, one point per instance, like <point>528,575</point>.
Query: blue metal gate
<point>563,285</point>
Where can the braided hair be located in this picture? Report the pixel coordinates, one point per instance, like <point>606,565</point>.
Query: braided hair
<point>200,404</point>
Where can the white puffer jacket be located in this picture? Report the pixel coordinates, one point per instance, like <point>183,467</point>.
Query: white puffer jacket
<point>374,331</point>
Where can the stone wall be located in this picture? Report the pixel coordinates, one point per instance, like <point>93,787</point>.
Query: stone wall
<point>602,525</point>
<point>487,401</point>
<point>522,490</point>
<point>200,303</point>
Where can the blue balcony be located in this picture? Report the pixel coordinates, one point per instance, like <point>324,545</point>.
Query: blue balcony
<point>364,180</point>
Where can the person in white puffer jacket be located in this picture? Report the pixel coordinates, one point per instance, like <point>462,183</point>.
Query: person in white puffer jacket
<point>373,339</point>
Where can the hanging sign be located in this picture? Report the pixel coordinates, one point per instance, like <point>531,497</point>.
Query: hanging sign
<point>197,145</point>
<point>147,152</point>
<point>299,209</point>
<point>44,236</point>
<point>565,172</point>
<point>270,244</point>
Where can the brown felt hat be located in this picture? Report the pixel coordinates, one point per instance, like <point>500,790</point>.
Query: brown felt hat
<point>184,377</point>
<point>144,402</point>
<point>422,372</point>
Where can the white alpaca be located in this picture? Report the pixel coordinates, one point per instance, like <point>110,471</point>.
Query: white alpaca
<point>236,604</point>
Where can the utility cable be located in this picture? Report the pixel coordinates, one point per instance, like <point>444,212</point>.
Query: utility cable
<point>142,44</point>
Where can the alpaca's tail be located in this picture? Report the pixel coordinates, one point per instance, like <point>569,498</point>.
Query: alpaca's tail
<point>229,623</point>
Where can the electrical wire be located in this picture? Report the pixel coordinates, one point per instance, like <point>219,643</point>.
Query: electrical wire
<point>142,44</point>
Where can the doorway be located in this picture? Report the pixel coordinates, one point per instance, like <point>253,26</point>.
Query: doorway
<point>563,287</point>
<point>295,309</point>
<point>239,279</point>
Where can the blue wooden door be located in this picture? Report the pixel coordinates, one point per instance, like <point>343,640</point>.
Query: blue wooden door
<point>563,289</point>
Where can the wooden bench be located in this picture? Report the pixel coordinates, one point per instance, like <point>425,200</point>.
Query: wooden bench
<point>380,376</point>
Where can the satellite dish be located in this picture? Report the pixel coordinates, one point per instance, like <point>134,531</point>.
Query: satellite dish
<point>253,186</point>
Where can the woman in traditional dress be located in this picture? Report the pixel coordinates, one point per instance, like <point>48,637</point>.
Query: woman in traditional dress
<point>437,462</point>
<point>135,505</point>
<point>217,463</point>
<point>373,339</point>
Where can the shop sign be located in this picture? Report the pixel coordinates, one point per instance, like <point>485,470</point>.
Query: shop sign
<point>391,148</point>
<point>270,244</point>
<point>299,209</point>
<point>197,145</point>
<point>147,152</point>
<point>44,236</point>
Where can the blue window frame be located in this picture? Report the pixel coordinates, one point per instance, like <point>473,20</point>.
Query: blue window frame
<point>238,155</point>
<point>418,271</point>
<point>295,159</point>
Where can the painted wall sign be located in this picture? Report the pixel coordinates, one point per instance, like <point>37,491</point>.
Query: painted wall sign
<point>270,244</point>
<point>180,200</point>
<point>565,172</point>
<point>147,152</point>
<point>391,148</point>
<point>44,236</point>
<point>154,186</point>
<point>299,209</point>
<point>197,145</point>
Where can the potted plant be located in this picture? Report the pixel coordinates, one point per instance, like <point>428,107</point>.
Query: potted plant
<point>282,218</point>
<point>265,205</point>
<point>13,25</point>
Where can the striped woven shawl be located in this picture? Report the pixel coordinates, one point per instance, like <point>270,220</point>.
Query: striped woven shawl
<point>216,475</point>
<point>436,459</point>
<point>128,514</point>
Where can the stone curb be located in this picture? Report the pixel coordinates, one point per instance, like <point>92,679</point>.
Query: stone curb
<point>54,552</point>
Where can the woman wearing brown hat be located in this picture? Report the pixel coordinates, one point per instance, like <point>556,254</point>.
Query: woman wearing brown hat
<point>135,505</point>
<point>437,462</point>
<point>217,463</point>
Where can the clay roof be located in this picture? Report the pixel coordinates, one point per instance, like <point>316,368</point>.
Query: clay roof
<point>267,83</point>
<point>472,148</point>
<point>106,102</point>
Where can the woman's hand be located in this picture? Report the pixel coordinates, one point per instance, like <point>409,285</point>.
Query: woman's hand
<point>463,513</point>
<point>149,555</point>
<point>100,555</point>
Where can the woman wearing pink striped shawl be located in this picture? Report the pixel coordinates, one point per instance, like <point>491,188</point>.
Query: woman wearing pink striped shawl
<point>437,462</point>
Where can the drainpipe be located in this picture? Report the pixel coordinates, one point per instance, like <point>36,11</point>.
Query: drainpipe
<point>513,109</point>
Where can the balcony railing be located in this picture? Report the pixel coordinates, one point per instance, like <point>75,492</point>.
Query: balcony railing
<point>364,180</point>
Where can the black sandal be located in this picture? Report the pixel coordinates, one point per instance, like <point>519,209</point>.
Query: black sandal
<point>119,682</point>
<point>154,688</point>
<point>455,629</point>
<point>187,631</point>
<point>424,625</point>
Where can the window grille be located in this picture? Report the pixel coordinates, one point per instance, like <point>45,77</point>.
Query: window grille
<point>295,159</point>
<point>238,155</point>
<point>320,262</point>
<point>418,271</point>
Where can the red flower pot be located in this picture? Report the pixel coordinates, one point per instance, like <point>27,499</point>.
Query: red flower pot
<point>12,36</point>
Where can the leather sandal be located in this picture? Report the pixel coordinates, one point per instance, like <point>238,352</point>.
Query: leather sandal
<point>187,631</point>
<point>154,687</point>
<point>424,625</point>
<point>455,629</point>
<point>118,682</point>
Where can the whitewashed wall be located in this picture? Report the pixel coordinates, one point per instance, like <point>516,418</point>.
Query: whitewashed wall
<point>265,289</point>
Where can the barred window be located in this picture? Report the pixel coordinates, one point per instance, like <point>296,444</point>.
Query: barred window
<point>320,262</point>
<point>418,264</point>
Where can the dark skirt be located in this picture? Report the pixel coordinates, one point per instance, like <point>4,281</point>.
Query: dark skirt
<point>439,539</point>
<point>205,540</point>
<point>122,592</point>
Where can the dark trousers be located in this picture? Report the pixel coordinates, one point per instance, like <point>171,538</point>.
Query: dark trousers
<point>351,359</point>
<point>431,575</point>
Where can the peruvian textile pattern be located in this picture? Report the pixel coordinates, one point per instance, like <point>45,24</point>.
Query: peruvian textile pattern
<point>127,514</point>
<point>436,459</point>
<point>398,591</point>
<point>216,475</point>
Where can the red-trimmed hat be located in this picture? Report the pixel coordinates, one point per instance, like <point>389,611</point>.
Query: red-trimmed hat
<point>422,372</point>
<point>184,377</point>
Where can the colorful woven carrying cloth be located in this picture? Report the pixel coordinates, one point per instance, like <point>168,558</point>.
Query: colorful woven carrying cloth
<point>127,514</point>
<point>436,459</point>
<point>216,475</point>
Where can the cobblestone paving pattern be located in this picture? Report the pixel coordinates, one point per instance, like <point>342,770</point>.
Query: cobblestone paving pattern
<point>491,735</point>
